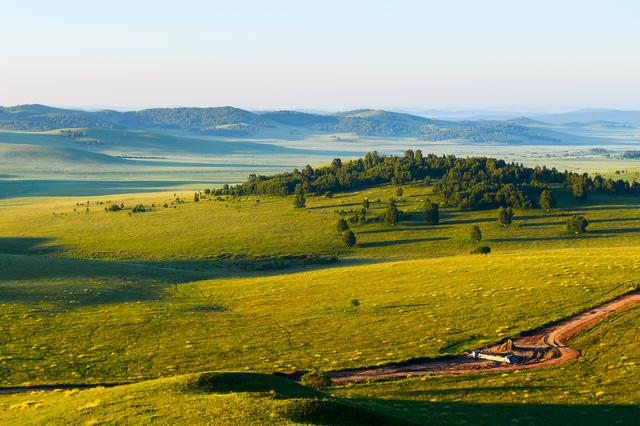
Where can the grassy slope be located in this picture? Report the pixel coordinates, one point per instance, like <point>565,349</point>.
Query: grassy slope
<point>101,321</point>
<point>272,227</point>
<point>208,398</point>
<point>173,307</point>
<point>601,387</point>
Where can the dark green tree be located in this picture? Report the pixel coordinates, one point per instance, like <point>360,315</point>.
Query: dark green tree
<point>399,192</point>
<point>392,214</point>
<point>577,224</point>
<point>298,197</point>
<point>579,191</point>
<point>546,200</point>
<point>365,203</point>
<point>505,215</point>
<point>196,198</point>
<point>431,212</point>
<point>476,234</point>
<point>342,225</point>
<point>349,238</point>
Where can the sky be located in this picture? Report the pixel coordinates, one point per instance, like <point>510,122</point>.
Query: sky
<point>322,54</point>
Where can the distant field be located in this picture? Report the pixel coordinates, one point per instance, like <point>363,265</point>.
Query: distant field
<point>271,226</point>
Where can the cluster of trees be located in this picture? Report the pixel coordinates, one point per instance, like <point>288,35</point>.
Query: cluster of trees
<point>474,183</point>
<point>348,237</point>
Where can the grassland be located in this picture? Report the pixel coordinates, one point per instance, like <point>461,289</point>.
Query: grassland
<point>88,296</point>
<point>601,387</point>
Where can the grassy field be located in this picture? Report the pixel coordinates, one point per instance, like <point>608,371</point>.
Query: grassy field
<point>269,226</point>
<point>251,284</point>
<point>102,321</point>
<point>599,388</point>
<point>220,398</point>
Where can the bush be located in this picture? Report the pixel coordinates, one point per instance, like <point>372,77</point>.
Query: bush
<point>316,379</point>
<point>577,224</point>
<point>505,215</point>
<point>342,225</point>
<point>476,234</point>
<point>354,303</point>
<point>113,208</point>
<point>481,250</point>
<point>349,238</point>
<point>138,208</point>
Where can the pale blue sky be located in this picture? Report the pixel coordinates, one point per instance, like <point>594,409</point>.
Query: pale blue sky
<point>321,54</point>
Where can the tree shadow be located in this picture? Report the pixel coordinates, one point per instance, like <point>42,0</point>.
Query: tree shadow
<point>397,242</point>
<point>603,232</point>
<point>556,238</point>
<point>447,413</point>
<point>410,228</point>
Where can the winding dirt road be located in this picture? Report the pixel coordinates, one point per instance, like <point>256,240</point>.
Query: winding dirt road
<point>540,348</point>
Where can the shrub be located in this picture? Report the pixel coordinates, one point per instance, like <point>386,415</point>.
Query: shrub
<point>138,208</point>
<point>316,379</point>
<point>354,303</point>
<point>577,224</point>
<point>476,234</point>
<point>505,215</point>
<point>431,212</point>
<point>481,250</point>
<point>342,225</point>
<point>349,238</point>
<point>113,208</point>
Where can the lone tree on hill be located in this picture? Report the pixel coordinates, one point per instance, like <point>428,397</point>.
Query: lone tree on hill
<point>196,198</point>
<point>365,203</point>
<point>399,192</point>
<point>431,212</point>
<point>505,215</point>
<point>298,199</point>
<point>349,238</point>
<point>546,200</point>
<point>577,224</point>
<point>476,234</point>
<point>392,214</point>
<point>342,225</point>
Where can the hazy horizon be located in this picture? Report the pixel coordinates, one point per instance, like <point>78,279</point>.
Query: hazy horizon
<point>327,56</point>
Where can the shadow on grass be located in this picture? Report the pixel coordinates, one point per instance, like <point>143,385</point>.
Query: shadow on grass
<point>31,273</point>
<point>556,238</point>
<point>447,413</point>
<point>396,242</point>
<point>410,228</point>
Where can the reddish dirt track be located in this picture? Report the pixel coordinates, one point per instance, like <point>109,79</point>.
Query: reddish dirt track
<point>540,348</point>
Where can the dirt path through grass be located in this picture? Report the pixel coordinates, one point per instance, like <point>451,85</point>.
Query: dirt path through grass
<point>540,348</point>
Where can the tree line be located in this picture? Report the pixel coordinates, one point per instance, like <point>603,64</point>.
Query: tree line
<point>472,183</point>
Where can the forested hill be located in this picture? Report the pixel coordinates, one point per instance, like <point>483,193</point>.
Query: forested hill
<point>474,182</point>
<point>232,121</point>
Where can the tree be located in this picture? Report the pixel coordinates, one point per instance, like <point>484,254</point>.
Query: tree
<point>349,238</point>
<point>392,214</point>
<point>476,234</point>
<point>579,191</point>
<point>399,192</point>
<point>365,203</point>
<point>298,199</point>
<point>342,225</point>
<point>336,163</point>
<point>427,181</point>
<point>577,224</point>
<point>196,197</point>
<point>546,200</point>
<point>481,250</point>
<point>505,215</point>
<point>431,212</point>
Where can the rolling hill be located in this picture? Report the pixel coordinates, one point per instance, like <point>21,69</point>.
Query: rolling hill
<point>234,122</point>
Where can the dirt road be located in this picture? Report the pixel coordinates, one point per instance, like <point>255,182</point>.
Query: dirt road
<point>540,348</point>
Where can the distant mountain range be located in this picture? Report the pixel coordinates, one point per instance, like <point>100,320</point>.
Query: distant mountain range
<point>235,122</point>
